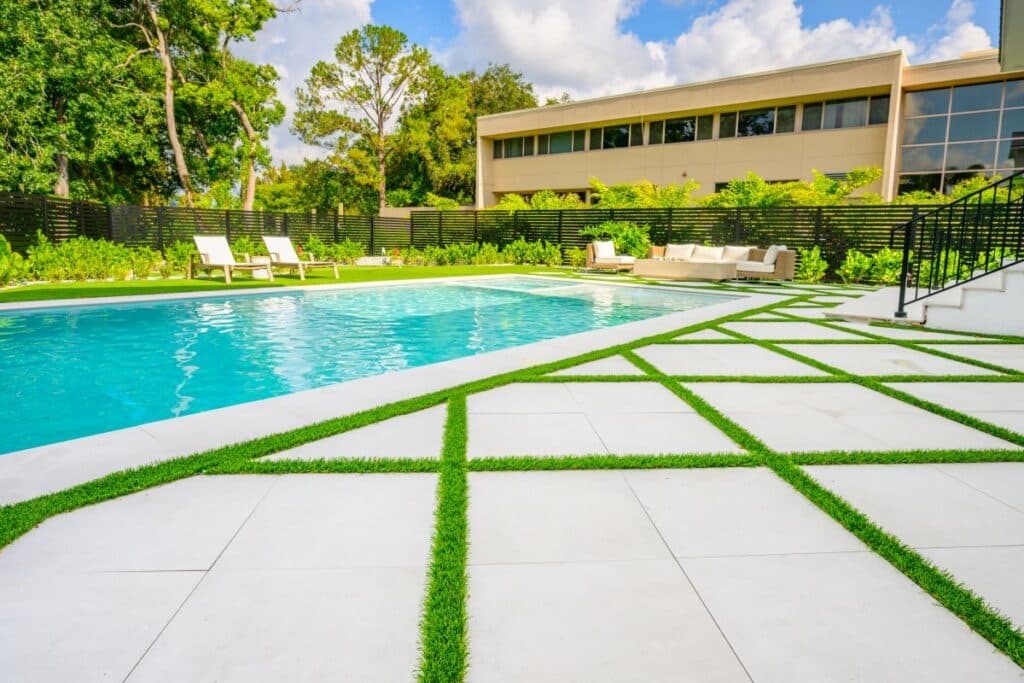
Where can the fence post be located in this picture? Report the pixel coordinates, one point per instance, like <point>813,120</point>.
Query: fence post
<point>817,226</point>
<point>372,219</point>
<point>560,245</point>
<point>737,226</point>
<point>908,244</point>
<point>668,233</point>
<point>284,225</point>
<point>227,224</point>
<point>515,225</point>
<point>476,226</point>
<point>110,221</point>
<point>440,233</point>
<point>46,219</point>
<point>160,228</point>
<point>335,226</point>
<point>411,227</point>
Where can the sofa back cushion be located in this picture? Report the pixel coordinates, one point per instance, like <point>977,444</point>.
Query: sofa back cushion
<point>604,249</point>
<point>736,253</point>
<point>707,253</point>
<point>679,252</point>
<point>772,254</point>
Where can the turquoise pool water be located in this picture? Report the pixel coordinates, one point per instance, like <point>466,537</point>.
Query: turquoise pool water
<point>71,372</point>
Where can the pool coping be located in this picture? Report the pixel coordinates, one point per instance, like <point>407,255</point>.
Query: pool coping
<point>36,471</point>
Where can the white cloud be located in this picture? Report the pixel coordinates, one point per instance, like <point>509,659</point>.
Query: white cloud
<point>580,46</point>
<point>293,42</point>
<point>957,34</point>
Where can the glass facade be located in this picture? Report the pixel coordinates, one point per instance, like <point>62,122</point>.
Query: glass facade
<point>953,133</point>
<point>851,112</point>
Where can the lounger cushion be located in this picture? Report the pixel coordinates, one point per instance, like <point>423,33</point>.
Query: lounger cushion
<point>736,253</point>
<point>707,253</point>
<point>772,254</point>
<point>755,267</point>
<point>609,260</point>
<point>604,249</point>
<point>679,252</point>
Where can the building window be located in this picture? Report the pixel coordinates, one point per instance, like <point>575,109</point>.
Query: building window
<point>497,149</point>
<point>656,132</point>
<point>681,130</point>
<point>812,116</point>
<point>878,110</point>
<point>953,133</point>
<point>636,134</point>
<point>561,143</point>
<point>705,127</point>
<point>727,125</point>
<point>756,122</point>
<point>543,142</point>
<point>579,140</point>
<point>850,113</point>
<point>615,136</point>
<point>510,148</point>
<point>595,138</point>
<point>785,119</point>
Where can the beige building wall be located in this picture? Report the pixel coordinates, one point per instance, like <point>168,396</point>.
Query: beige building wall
<point>787,156</point>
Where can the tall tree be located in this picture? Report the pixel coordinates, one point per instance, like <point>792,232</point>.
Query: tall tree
<point>347,105</point>
<point>499,89</point>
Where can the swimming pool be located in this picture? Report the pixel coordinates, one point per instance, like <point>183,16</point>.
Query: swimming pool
<point>81,370</point>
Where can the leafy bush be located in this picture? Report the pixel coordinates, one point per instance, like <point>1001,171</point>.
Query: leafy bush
<point>411,256</point>
<point>441,203</point>
<point>13,267</point>
<point>629,238</point>
<point>642,195</point>
<point>541,252</point>
<point>856,267</point>
<point>144,261</point>
<point>575,257</point>
<point>247,246</point>
<point>487,254</point>
<point>811,267</point>
<point>177,255</point>
<point>886,266</point>
<point>346,251</point>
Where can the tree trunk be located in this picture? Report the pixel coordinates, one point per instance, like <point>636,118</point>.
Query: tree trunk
<point>249,191</point>
<point>381,163</point>
<point>172,126</point>
<point>61,187</point>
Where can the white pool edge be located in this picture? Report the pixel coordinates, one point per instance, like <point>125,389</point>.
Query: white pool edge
<point>32,472</point>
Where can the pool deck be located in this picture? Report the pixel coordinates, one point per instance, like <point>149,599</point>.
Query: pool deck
<point>654,515</point>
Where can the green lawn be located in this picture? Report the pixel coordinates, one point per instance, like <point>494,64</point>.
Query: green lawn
<point>79,290</point>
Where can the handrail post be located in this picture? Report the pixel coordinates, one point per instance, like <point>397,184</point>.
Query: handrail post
<point>908,244</point>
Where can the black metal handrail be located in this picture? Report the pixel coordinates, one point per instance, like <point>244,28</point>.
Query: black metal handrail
<point>978,234</point>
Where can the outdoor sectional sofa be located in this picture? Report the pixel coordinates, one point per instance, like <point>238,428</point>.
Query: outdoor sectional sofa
<point>698,262</point>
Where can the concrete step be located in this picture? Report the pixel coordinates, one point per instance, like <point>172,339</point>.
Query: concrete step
<point>983,310</point>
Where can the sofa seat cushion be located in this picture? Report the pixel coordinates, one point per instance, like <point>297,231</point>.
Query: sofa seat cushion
<point>679,252</point>
<point>736,253</point>
<point>755,267</point>
<point>614,259</point>
<point>705,254</point>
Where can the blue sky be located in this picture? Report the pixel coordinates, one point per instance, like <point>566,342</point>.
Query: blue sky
<point>590,48</point>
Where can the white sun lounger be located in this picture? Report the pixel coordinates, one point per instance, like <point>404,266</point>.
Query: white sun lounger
<point>214,253</point>
<point>282,253</point>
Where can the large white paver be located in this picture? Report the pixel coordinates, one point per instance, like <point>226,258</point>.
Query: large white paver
<point>588,418</point>
<point>722,359</point>
<point>837,417</point>
<point>88,626</point>
<point>529,517</point>
<point>741,511</point>
<point>1004,355</point>
<point>908,333</point>
<point>993,573</point>
<point>359,624</point>
<point>788,330</point>
<point>613,365</point>
<point>416,435</point>
<point>998,403</point>
<point>884,359</point>
<point>332,521</point>
<point>805,311</point>
<point>926,507</point>
<point>596,622</point>
<point>1003,481</point>
<point>184,525</point>
<point>839,617</point>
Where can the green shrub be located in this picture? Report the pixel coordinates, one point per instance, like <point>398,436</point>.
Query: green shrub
<point>347,251</point>
<point>886,266</point>
<point>411,256</point>
<point>541,252</point>
<point>486,255</point>
<point>177,255</point>
<point>811,267</point>
<point>144,261</point>
<point>576,257</point>
<point>13,268</point>
<point>245,246</point>
<point>629,238</point>
<point>856,267</point>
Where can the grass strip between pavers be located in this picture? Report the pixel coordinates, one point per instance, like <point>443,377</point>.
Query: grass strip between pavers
<point>443,629</point>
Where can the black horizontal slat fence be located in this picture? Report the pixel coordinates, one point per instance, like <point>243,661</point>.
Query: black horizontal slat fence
<point>835,229</point>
